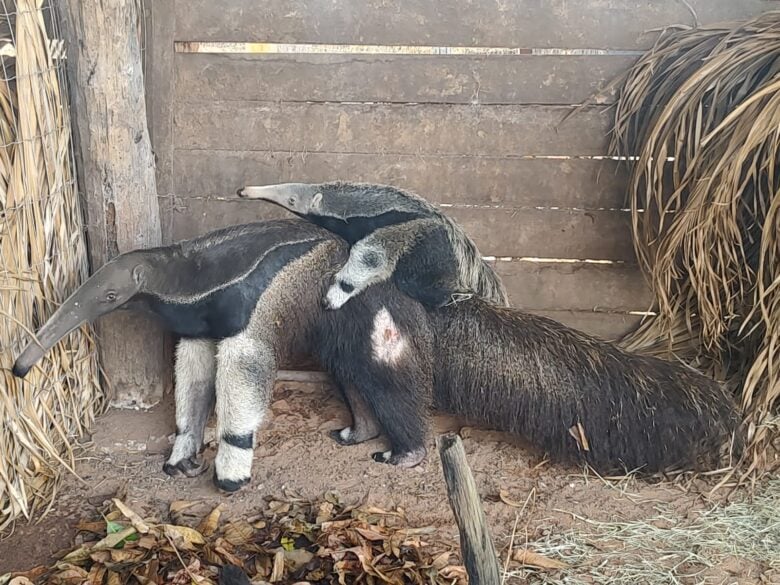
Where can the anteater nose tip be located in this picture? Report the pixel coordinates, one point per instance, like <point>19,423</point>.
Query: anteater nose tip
<point>240,192</point>
<point>19,371</point>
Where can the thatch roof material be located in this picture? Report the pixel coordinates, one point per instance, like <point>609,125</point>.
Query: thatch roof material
<point>43,260</point>
<point>701,111</point>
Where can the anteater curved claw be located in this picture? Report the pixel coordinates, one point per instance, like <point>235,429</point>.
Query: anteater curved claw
<point>190,467</point>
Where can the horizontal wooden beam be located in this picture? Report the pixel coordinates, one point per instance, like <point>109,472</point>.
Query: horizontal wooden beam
<point>398,78</point>
<point>424,129</point>
<point>255,48</point>
<point>581,24</point>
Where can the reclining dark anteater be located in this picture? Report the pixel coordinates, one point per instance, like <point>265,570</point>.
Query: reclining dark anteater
<point>247,298</point>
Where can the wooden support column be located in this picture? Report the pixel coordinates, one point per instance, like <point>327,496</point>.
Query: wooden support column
<point>116,178</point>
<point>476,544</point>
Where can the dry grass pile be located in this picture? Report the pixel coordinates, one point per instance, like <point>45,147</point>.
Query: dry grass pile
<point>43,260</point>
<point>742,537</point>
<point>291,541</point>
<point>701,112</point>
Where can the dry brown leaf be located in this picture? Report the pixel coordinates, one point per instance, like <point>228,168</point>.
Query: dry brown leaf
<point>277,574</point>
<point>335,525</point>
<point>298,557</point>
<point>325,512</point>
<point>113,516</point>
<point>100,556</point>
<point>370,533</point>
<point>441,561</point>
<point>381,512</point>
<point>209,524</point>
<point>183,536</point>
<point>77,556</point>
<point>277,507</point>
<point>238,533</point>
<point>141,526</point>
<point>113,578</point>
<point>96,575</point>
<point>457,572</point>
<point>123,555</point>
<point>33,573</point>
<point>98,527</point>
<point>533,559</point>
<point>226,555</point>
<point>147,541</point>
<point>71,574</point>
<point>20,580</point>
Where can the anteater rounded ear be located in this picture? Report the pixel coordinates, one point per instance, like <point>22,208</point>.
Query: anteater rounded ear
<point>139,274</point>
<point>316,200</point>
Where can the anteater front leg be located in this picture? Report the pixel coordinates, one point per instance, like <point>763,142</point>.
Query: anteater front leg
<point>245,375</point>
<point>194,395</point>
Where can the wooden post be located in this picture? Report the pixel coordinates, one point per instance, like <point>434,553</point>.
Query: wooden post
<point>476,545</point>
<point>117,178</point>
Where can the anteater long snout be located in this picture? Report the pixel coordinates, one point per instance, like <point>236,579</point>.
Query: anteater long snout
<point>277,193</point>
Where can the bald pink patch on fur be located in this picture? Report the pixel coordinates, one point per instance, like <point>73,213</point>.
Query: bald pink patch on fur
<point>387,343</point>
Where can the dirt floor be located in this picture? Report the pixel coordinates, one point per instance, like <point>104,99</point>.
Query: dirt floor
<point>295,455</point>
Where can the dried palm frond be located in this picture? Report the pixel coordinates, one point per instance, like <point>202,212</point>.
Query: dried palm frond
<point>43,260</point>
<point>700,111</point>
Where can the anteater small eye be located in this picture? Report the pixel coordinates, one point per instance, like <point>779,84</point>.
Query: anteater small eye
<point>110,296</point>
<point>371,259</point>
<point>346,287</point>
<point>291,202</point>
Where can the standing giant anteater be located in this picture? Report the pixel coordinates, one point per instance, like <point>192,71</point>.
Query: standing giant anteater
<point>247,298</point>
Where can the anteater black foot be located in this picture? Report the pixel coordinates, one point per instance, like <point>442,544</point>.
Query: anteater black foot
<point>230,485</point>
<point>190,467</point>
<point>407,459</point>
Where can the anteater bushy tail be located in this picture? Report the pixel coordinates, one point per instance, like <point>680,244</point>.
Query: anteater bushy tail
<point>575,396</point>
<point>475,273</point>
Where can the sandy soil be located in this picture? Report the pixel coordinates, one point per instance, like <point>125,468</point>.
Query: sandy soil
<point>296,455</point>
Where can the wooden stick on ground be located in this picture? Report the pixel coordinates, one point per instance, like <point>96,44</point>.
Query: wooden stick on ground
<point>476,545</point>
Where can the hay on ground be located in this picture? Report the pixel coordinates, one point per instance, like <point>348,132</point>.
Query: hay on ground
<point>701,112</point>
<point>668,548</point>
<point>43,260</point>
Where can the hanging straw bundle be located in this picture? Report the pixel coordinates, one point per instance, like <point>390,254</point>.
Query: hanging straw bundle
<point>43,260</point>
<point>701,112</point>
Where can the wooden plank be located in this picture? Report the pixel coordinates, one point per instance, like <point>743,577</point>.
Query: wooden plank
<point>405,129</point>
<point>510,182</point>
<point>614,24</point>
<point>536,286</point>
<point>333,78</point>
<point>118,179</point>
<point>607,326</point>
<point>599,235</point>
<point>160,67</point>
<point>497,232</point>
